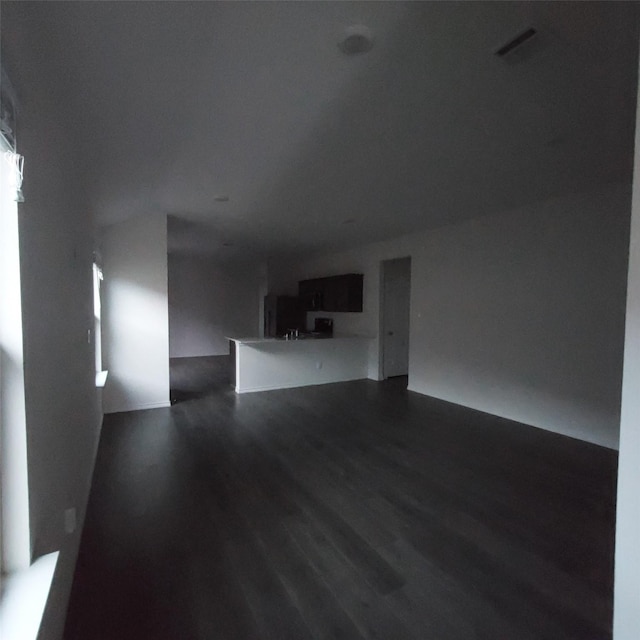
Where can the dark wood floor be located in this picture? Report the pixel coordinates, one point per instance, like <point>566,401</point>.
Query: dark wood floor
<point>191,378</point>
<point>347,511</point>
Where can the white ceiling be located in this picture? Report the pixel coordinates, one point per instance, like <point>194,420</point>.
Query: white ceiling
<point>175,103</point>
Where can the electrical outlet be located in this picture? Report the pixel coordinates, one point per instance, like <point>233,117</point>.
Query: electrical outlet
<point>318,365</point>
<point>70,520</point>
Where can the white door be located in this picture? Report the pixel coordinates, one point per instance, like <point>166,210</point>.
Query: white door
<point>396,290</point>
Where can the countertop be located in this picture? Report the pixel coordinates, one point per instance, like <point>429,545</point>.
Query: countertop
<point>306,338</point>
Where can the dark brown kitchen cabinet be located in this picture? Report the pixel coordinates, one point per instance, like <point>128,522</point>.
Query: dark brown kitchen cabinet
<point>335,293</point>
<point>310,294</point>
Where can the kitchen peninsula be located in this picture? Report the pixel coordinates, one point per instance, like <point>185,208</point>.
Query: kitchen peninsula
<point>275,363</point>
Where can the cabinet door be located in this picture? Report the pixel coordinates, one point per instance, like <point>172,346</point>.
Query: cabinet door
<point>335,293</point>
<point>330,294</point>
<point>354,286</point>
<point>340,286</point>
<point>343,293</point>
<point>310,294</point>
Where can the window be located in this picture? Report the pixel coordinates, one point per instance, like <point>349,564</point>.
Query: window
<point>25,586</point>
<point>97,323</point>
<point>14,494</point>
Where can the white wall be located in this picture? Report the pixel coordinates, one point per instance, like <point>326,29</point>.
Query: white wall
<point>56,242</point>
<point>208,301</point>
<point>520,314</point>
<point>626,617</point>
<point>135,314</point>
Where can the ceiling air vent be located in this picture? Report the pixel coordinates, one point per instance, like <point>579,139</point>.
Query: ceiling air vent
<point>516,42</point>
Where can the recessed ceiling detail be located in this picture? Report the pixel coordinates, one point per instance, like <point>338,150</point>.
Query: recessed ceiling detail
<point>357,39</point>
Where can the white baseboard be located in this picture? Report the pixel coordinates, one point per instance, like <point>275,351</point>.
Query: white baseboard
<point>141,407</point>
<point>293,385</point>
<point>24,599</point>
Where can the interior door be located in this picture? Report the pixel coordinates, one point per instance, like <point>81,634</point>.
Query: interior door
<point>396,293</point>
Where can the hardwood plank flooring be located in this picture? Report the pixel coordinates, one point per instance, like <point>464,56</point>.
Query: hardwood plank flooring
<point>191,378</point>
<point>351,511</point>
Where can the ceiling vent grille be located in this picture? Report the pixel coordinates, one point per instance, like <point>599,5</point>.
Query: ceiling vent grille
<point>516,42</point>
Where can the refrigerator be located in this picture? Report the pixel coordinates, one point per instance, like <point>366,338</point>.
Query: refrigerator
<point>283,314</point>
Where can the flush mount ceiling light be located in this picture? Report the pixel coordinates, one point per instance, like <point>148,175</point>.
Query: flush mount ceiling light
<point>357,39</point>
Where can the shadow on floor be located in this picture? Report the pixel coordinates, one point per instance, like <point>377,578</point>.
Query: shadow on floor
<point>192,378</point>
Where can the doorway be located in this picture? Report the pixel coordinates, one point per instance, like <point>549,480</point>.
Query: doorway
<point>396,300</point>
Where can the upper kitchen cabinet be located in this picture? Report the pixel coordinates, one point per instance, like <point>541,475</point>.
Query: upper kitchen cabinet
<point>310,293</point>
<point>335,293</point>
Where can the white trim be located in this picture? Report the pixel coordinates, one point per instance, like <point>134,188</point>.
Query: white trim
<point>294,385</point>
<point>101,378</point>
<point>141,407</point>
<point>14,493</point>
<point>560,429</point>
<point>25,597</point>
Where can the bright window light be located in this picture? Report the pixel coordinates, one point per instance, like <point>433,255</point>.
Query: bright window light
<point>97,316</point>
<point>14,494</point>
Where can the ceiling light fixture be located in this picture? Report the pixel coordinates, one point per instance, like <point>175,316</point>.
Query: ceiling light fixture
<point>357,39</point>
<point>221,198</point>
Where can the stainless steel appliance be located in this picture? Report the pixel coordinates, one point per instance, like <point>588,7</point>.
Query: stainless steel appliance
<point>323,326</point>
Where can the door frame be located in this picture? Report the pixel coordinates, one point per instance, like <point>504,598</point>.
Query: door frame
<point>381,318</point>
